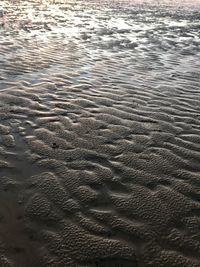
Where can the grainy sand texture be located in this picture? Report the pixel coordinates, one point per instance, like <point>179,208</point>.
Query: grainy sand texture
<point>99,133</point>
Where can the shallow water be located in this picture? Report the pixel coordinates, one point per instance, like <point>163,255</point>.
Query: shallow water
<point>99,133</point>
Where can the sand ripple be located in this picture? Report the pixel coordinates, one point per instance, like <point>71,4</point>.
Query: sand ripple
<point>99,135</point>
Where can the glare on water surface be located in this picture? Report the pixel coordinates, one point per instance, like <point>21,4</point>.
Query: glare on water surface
<point>131,28</point>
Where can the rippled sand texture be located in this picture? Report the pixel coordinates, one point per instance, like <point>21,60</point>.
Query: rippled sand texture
<point>99,135</point>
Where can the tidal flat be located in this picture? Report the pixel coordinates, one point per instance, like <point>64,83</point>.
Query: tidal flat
<point>99,133</point>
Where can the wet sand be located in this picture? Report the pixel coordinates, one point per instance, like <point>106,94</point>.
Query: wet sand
<point>99,134</point>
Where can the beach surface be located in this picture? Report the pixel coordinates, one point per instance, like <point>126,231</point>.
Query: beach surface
<point>99,133</point>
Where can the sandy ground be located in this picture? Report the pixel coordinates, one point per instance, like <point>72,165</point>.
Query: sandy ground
<point>99,134</point>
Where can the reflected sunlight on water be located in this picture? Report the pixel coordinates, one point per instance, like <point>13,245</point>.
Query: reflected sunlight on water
<point>107,26</point>
<point>131,29</point>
